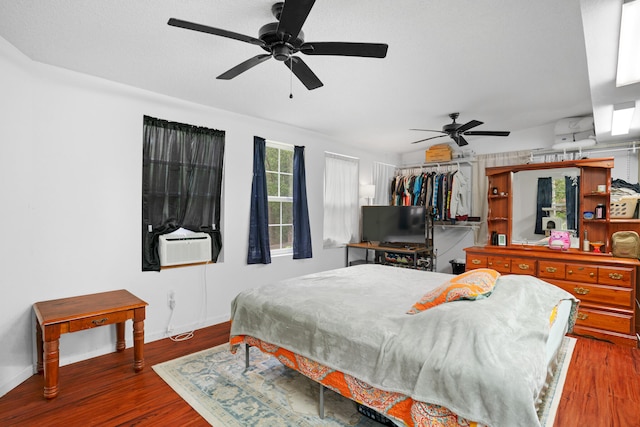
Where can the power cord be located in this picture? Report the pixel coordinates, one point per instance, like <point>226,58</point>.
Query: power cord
<point>203,311</point>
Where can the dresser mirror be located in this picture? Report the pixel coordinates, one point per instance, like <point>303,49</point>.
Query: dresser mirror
<point>562,214</point>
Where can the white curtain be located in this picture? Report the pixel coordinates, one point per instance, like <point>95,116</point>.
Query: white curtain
<point>480,184</point>
<point>382,175</point>
<point>340,200</point>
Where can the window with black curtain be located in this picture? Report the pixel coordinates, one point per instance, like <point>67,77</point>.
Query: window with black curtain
<point>181,184</point>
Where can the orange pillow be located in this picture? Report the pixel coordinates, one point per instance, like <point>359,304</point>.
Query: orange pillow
<point>470,285</point>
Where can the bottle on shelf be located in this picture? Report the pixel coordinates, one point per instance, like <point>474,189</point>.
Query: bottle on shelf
<point>585,243</point>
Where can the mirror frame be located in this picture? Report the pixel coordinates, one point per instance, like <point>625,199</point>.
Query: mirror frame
<point>585,165</point>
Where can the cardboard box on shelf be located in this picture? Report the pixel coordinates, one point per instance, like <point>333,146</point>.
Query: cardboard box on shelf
<point>438,153</point>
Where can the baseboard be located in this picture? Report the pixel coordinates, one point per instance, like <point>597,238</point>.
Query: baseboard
<point>17,380</point>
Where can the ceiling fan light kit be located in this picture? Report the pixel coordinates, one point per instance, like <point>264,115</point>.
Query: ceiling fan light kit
<point>283,39</point>
<point>456,131</point>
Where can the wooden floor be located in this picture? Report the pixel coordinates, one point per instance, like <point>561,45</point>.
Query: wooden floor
<point>602,389</point>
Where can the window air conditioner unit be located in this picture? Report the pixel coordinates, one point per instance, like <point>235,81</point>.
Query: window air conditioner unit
<point>177,249</point>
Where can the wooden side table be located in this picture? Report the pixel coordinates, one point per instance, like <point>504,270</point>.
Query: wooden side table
<point>56,317</point>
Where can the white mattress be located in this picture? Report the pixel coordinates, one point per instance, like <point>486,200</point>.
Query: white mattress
<point>558,330</point>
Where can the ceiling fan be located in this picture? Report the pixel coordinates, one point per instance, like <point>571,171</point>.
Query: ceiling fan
<point>457,130</point>
<point>282,39</point>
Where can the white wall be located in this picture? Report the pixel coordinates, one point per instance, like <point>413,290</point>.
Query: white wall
<point>70,185</point>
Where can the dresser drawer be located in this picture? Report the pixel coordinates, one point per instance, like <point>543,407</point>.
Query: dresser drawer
<point>582,273</point>
<point>498,263</point>
<point>615,276</point>
<point>616,322</point>
<point>476,261</point>
<point>551,270</point>
<point>105,319</point>
<point>598,294</point>
<point>523,266</point>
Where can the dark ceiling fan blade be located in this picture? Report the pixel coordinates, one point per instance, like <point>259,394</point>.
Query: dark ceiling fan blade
<point>459,139</point>
<point>465,127</point>
<point>294,13</point>
<point>215,31</point>
<point>488,132</point>
<point>303,72</point>
<point>426,139</point>
<point>366,50</point>
<point>429,130</point>
<point>244,66</point>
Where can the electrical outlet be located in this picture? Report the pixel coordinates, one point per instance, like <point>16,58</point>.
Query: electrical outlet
<point>171,299</point>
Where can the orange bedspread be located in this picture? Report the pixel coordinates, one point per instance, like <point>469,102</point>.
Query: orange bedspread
<point>392,405</point>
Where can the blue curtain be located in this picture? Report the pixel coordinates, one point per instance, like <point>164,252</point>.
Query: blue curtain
<point>259,251</point>
<point>543,201</point>
<point>572,189</point>
<point>301,228</point>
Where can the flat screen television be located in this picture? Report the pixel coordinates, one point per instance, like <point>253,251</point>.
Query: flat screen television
<point>393,224</point>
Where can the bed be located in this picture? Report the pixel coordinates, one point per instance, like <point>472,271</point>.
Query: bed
<point>478,361</point>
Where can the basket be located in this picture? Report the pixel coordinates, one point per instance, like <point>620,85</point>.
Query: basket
<point>623,208</point>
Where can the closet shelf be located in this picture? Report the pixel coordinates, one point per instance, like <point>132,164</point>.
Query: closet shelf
<point>454,162</point>
<point>457,224</point>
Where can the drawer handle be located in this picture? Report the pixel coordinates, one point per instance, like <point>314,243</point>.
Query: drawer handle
<point>615,276</point>
<point>551,269</point>
<point>99,322</point>
<point>475,261</point>
<point>570,272</point>
<point>506,265</point>
<point>581,291</point>
<point>592,274</point>
<point>523,266</point>
<point>582,316</point>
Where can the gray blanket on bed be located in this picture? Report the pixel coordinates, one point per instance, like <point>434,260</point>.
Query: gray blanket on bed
<point>484,359</point>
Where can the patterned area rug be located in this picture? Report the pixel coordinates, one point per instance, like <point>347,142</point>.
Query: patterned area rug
<point>215,384</point>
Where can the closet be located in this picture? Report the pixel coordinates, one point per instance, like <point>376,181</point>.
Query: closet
<point>443,188</point>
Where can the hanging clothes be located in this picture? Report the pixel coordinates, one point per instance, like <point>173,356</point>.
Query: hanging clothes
<point>459,207</point>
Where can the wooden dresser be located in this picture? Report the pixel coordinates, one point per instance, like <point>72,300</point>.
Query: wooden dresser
<point>606,286</point>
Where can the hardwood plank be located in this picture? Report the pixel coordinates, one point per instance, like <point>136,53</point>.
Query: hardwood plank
<point>602,388</point>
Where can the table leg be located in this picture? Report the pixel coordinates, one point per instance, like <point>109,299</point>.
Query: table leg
<point>138,339</point>
<point>51,360</point>
<point>120,342</point>
<point>39,349</point>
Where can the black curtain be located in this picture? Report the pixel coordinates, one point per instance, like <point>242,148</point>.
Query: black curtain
<point>181,184</point>
<point>543,201</point>
<point>572,190</point>
<point>301,227</point>
<point>259,251</point>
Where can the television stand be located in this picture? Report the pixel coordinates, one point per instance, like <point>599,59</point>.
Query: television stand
<point>410,255</point>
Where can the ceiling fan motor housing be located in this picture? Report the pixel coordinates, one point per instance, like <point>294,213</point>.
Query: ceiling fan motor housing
<point>451,127</point>
<point>281,49</point>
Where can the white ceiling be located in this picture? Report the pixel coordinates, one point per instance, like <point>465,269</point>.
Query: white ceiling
<point>513,64</point>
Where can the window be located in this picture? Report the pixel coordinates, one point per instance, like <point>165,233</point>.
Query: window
<point>181,185</point>
<point>559,202</point>
<point>279,174</point>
